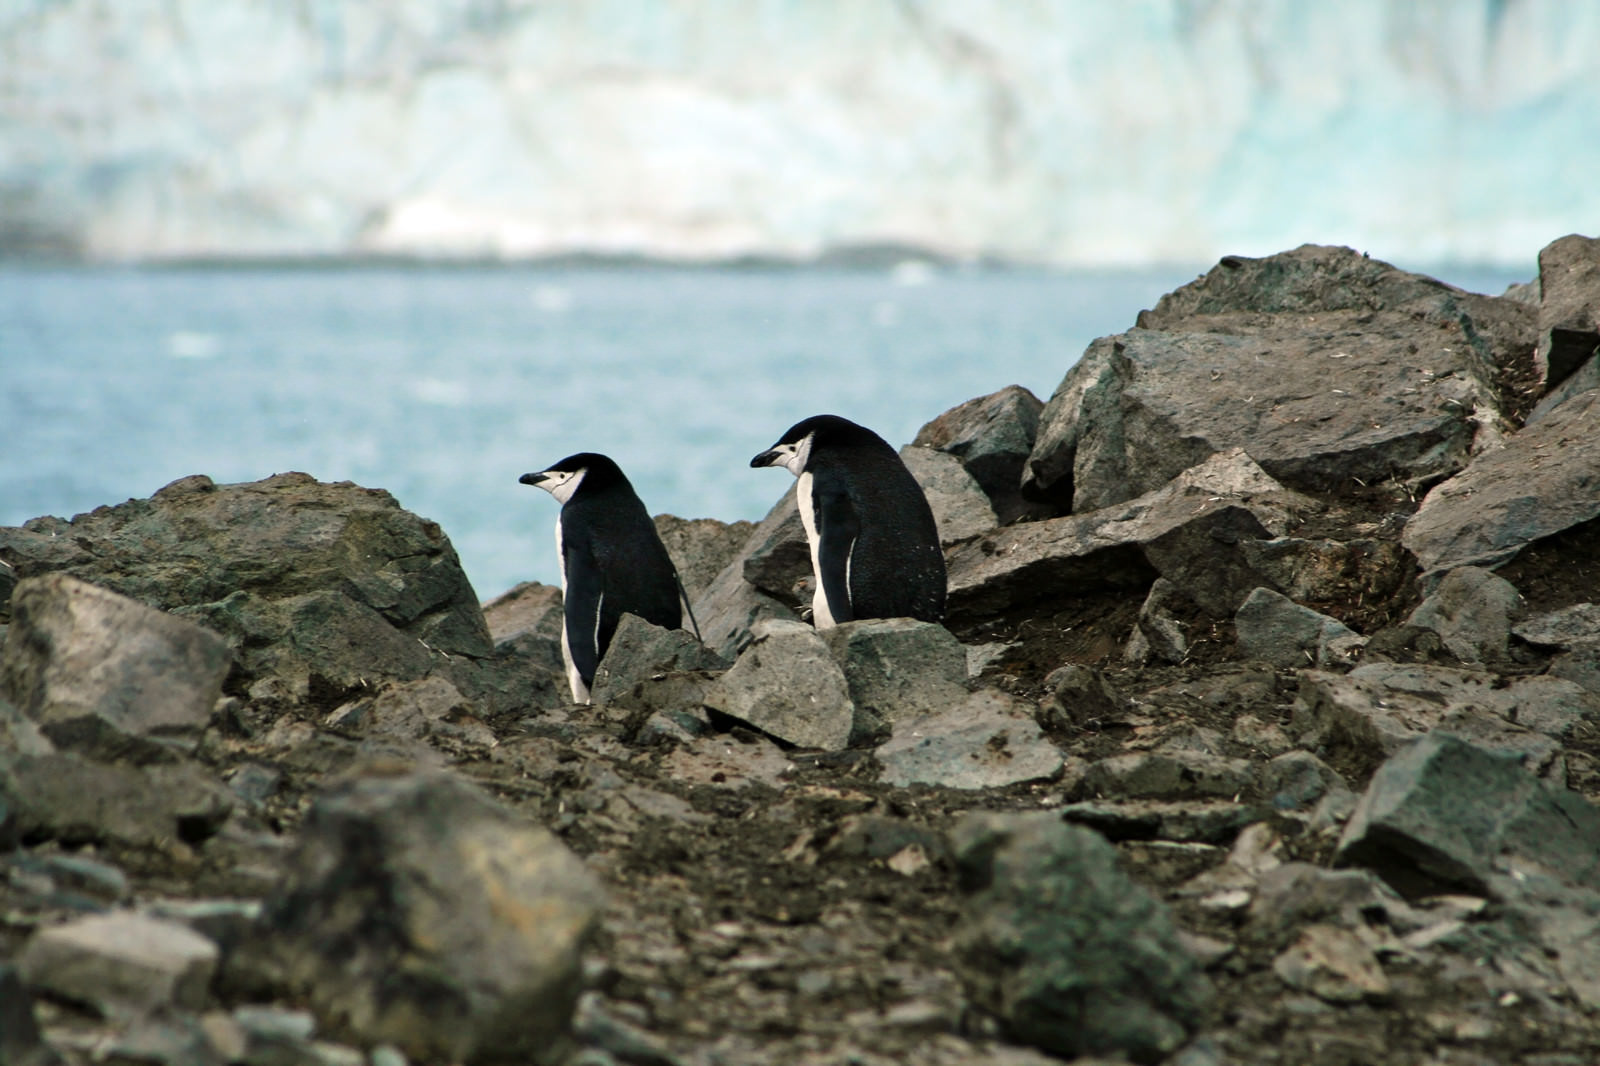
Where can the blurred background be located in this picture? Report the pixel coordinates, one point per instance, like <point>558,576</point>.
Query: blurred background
<point>428,246</point>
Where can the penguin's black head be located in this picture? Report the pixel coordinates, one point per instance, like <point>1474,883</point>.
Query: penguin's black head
<point>793,450</point>
<point>585,468</point>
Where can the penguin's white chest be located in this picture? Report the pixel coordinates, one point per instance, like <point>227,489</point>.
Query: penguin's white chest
<point>821,615</point>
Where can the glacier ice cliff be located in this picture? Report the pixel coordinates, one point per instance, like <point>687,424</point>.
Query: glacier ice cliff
<point>1057,132</point>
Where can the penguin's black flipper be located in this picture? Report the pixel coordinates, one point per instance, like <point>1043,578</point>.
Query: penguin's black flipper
<point>582,603</point>
<point>838,526</point>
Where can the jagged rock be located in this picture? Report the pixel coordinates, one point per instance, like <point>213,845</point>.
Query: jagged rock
<point>121,963</point>
<point>757,584</point>
<point>1379,708</point>
<point>787,684</point>
<point>1273,628</point>
<point>420,913</point>
<point>1413,829</point>
<point>1569,307</point>
<point>897,669</point>
<point>640,651</point>
<point>1079,697</point>
<point>1581,380</point>
<point>1562,630</point>
<point>1190,529</point>
<point>1539,483</point>
<point>1292,895</point>
<point>1368,391</point>
<point>992,436</point>
<point>416,710</point>
<point>1169,775</point>
<point>1581,666</point>
<point>986,741</point>
<point>961,509</point>
<point>1158,634</point>
<point>99,670</point>
<point>528,618</point>
<point>1297,780</point>
<point>70,799</point>
<point>1471,610</point>
<point>701,547</point>
<point>312,584</point>
<point>1071,955</point>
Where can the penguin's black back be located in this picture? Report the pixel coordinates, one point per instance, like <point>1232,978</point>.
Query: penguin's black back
<point>610,547</point>
<point>897,566</point>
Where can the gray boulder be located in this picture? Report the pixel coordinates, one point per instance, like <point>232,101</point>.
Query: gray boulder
<point>1471,609</point>
<point>121,963</point>
<point>420,913</point>
<point>311,584</point>
<point>1569,307</point>
<point>757,584</point>
<point>1564,629</point>
<point>960,507</point>
<point>1539,483</point>
<point>528,618</point>
<point>788,685</point>
<point>95,669</point>
<point>701,547</point>
<point>1273,628</point>
<point>1070,954</point>
<point>1191,531</point>
<point>992,436</point>
<point>158,810</point>
<point>1168,775</point>
<point>1413,828</point>
<point>897,669</point>
<point>640,652</point>
<point>1233,360</point>
<point>1380,708</point>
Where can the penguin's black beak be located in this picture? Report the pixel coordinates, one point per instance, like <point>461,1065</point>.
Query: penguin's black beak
<point>766,458</point>
<point>532,479</point>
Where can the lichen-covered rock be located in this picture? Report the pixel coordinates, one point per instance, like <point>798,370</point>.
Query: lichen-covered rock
<point>1071,955</point>
<point>420,913</point>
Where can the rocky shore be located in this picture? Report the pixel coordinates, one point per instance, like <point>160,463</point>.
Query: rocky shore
<point>1264,728</point>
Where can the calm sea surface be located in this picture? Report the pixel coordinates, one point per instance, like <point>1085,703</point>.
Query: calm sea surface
<point>443,385</point>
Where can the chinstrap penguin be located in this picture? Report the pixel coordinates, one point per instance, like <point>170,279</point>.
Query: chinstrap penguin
<point>874,544</point>
<point>612,561</point>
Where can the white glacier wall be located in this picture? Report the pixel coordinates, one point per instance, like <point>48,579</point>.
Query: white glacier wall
<point>1068,132</point>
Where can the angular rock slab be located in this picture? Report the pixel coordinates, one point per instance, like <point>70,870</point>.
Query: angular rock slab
<point>1569,306</point>
<point>1273,628</point>
<point>1471,610</point>
<point>82,661</point>
<point>898,668</point>
<point>1381,707</point>
<point>961,509</point>
<point>992,436</point>
<point>987,741</point>
<point>1069,953</point>
<point>121,963</point>
<point>640,651</point>
<point>788,685</point>
<point>755,584</point>
<point>1543,480</point>
<point>1205,515</point>
<point>418,912</point>
<point>1444,812</point>
<point>1383,381</point>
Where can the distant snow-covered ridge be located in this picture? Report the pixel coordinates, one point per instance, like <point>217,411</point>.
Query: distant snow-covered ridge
<point>1066,132</point>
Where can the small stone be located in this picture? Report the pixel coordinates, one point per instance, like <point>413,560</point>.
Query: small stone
<point>121,963</point>
<point>1332,964</point>
<point>985,742</point>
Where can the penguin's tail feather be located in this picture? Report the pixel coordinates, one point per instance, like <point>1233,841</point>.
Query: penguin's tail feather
<point>688,607</point>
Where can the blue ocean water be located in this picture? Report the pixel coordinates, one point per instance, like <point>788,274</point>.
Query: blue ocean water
<point>444,384</point>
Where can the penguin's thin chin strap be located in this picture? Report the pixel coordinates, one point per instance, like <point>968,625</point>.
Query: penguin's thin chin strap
<point>687,606</point>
